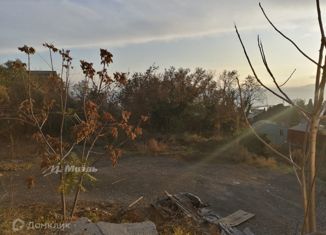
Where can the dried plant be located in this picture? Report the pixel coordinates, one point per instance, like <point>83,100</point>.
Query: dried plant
<point>93,124</point>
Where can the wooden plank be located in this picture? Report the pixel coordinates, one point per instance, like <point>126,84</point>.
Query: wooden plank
<point>192,206</point>
<point>184,206</point>
<point>236,218</point>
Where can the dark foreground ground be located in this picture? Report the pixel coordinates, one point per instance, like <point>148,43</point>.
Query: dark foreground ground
<point>271,194</point>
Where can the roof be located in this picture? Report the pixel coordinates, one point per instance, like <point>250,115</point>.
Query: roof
<point>264,122</point>
<point>43,73</point>
<point>302,127</point>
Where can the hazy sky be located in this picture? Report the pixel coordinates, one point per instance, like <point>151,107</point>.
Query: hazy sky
<point>187,33</point>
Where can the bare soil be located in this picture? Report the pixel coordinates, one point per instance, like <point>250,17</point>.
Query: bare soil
<point>271,194</point>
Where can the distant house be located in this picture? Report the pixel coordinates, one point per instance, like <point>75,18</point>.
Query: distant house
<point>43,73</point>
<point>275,132</point>
<point>296,135</point>
<point>254,113</point>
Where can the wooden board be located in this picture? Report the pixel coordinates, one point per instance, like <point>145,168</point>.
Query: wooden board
<point>236,218</point>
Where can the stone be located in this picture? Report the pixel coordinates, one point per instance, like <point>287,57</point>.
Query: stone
<point>84,226</point>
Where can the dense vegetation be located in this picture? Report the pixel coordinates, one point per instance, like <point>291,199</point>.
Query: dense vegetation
<point>176,100</point>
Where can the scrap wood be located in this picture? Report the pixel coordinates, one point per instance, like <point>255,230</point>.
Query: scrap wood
<point>236,218</point>
<point>227,223</point>
<point>182,205</point>
<point>178,203</point>
<point>225,229</point>
<point>195,200</point>
<point>209,215</point>
<point>136,201</point>
<point>163,211</point>
<point>118,181</point>
<point>122,211</point>
<point>192,206</point>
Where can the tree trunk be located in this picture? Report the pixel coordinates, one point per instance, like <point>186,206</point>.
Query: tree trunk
<point>13,156</point>
<point>312,174</point>
<point>76,196</point>
<point>305,228</point>
<point>63,195</point>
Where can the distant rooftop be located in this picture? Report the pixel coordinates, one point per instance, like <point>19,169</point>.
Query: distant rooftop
<point>302,127</point>
<point>43,73</point>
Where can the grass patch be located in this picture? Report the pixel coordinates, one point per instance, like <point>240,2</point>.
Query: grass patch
<point>14,166</point>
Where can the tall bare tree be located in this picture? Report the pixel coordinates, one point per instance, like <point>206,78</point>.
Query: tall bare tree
<point>305,171</point>
<point>252,92</point>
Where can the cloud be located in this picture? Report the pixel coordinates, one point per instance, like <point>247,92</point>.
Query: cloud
<point>81,23</point>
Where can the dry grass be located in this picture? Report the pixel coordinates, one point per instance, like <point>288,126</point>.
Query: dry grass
<point>240,154</point>
<point>262,162</point>
<point>14,166</point>
<point>194,138</point>
<point>150,147</point>
<point>34,213</point>
<point>194,147</point>
<point>23,149</point>
<point>178,230</point>
<point>155,147</point>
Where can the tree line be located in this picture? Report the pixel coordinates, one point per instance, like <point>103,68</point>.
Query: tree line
<point>175,100</point>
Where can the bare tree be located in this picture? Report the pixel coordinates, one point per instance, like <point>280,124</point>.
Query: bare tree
<point>251,92</point>
<point>306,170</point>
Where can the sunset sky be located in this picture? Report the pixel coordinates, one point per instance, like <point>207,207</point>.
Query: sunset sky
<point>187,33</point>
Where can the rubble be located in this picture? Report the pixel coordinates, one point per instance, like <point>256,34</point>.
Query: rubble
<point>83,226</point>
<point>184,211</point>
<point>192,206</point>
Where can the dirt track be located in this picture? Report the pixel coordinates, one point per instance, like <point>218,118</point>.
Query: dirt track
<point>273,195</point>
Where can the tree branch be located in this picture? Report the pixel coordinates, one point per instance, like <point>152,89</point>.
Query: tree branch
<point>294,169</point>
<point>257,135</point>
<point>262,53</point>
<point>320,22</point>
<point>288,79</point>
<point>288,99</point>
<point>287,38</point>
<point>253,70</point>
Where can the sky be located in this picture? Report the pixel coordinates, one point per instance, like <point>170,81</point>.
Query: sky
<point>179,33</point>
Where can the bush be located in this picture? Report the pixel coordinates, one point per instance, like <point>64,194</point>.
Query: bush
<point>240,154</point>
<point>155,147</point>
<point>254,145</point>
<point>176,100</point>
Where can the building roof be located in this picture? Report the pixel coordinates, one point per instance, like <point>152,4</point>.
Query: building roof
<point>43,73</point>
<point>302,127</point>
<point>264,123</point>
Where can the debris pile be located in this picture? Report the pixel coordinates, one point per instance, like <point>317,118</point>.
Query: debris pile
<point>192,207</point>
<point>179,212</point>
